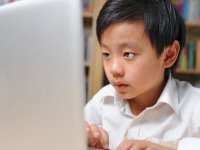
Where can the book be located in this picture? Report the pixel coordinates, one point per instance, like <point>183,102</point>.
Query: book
<point>185,9</point>
<point>189,9</point>
<point>191,54</point>
<point>193,10</point>
<point>198,55</point>
<point>88,6</point>
<point>88,41</point>
<point>184,59</point>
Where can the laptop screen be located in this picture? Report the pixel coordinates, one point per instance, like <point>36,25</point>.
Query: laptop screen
<point>41,76</point>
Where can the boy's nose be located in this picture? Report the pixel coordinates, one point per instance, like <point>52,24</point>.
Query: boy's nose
<point>116,68</point>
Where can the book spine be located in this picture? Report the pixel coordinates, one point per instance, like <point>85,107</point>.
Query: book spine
<point>193,11</point>
<point>184,59</point>
<point>88,6</point>
<point>88,45</point>
<point>191,54</point>
<point>185,9</point>
<point>85,5</point>
<point>198,55</point>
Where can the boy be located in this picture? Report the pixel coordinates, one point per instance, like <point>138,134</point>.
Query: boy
<point>144,107</point>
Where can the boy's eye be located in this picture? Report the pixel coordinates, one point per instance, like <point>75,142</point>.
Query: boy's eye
<point>129,55</point>
<point>105,55</point>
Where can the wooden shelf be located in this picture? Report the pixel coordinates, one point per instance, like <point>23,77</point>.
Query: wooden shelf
<point>194,72</point>
<point>87,19</point>
<point>193,24</point>
<point>87,15</point>
<point>87,64</point>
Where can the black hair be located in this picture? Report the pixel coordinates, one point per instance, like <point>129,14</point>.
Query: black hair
<point>162,22</point>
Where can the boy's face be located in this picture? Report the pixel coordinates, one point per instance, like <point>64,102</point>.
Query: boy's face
<point>130,61</point>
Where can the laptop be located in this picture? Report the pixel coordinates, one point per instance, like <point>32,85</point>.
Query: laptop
<point>41,76</point>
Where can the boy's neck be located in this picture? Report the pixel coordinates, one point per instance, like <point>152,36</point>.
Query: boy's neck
<point>140,103</point>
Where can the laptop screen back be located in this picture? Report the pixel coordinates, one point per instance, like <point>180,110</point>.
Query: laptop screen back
<point>41,76</point>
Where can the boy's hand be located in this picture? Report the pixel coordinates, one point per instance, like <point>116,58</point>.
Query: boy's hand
<point>141,145</point>
<point>97,137</point>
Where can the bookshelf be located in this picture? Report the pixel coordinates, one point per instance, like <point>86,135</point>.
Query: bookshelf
<point>87,15</point>
<point>189,63</point>
<point>93,62</point>
<point>191,51</point>
<point>193,24</point>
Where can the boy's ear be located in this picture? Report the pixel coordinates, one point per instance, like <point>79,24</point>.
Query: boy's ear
<point>171,54</point>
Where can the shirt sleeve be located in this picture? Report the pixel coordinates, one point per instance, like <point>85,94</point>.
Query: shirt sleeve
<point>92,111</point>
<point>189,144</point>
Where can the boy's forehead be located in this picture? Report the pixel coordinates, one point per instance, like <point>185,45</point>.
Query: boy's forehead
<point>124,30</point>
<point>126,35</point>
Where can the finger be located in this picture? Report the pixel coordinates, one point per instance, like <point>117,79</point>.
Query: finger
<point>125,145</point>
<point>89,131</point>
<point>94,137</point>
<point>136,147</point>
<point>95,130</point>
<point>99,145</point>
<point>104,138</point>
<point>92,141</point>
<point>87,126</point>
<point>140,145</point>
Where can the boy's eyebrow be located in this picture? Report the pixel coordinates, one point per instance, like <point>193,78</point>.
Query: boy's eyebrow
<point>122,45</point>
<point>103,45</point>
<point>128,44</point>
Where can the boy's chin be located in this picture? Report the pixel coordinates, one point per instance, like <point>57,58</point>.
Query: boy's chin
<point>126,96</point>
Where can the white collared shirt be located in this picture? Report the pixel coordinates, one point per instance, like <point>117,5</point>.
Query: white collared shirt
<point>174,117</point>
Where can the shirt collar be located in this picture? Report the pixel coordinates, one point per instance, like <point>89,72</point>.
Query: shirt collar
<point>169,94</point>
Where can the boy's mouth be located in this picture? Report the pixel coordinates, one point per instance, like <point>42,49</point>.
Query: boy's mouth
<point>120,86</point>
